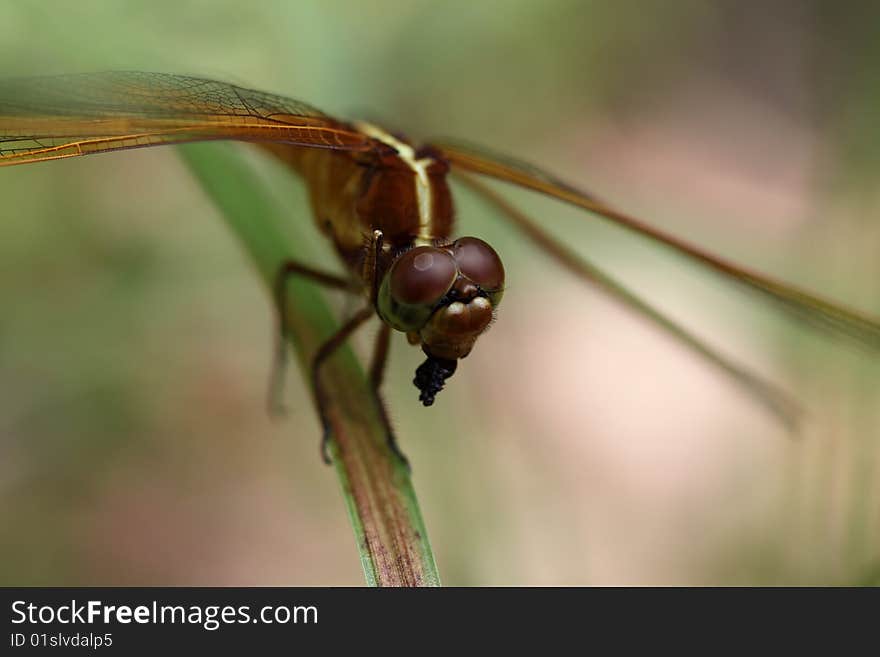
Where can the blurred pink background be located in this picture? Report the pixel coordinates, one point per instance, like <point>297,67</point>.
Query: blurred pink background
<point>576,445</point>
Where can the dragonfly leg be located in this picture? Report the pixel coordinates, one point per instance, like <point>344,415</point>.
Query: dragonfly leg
<point>321,355</point>
<point>279,363</point>
<point>383,338</point>
<point>380,356</point>
<point>369,271</point>
<point>377,374</point>
<point>371,263</point>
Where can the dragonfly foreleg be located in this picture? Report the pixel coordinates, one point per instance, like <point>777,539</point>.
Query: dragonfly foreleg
<point>377,374</point>
<point>288,270</point>
<point>321,355</point>
<point>371,263</point>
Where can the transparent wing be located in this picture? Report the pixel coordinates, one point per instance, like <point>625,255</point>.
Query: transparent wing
<point>806,306</point>
<point>772,397</point>
<point>54,117</point>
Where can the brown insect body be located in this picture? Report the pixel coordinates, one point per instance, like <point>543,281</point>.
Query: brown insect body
<point>353,193</point>
<point>400,196</point>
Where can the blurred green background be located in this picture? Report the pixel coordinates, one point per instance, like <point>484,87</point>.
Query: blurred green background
<point>576,445</point>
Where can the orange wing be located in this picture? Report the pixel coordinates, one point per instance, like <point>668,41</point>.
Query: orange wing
<point>823,313</point>
<point>49,118</point>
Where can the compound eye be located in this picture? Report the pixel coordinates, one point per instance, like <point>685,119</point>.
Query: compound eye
<point>479,262</point>
<point>422,276</point>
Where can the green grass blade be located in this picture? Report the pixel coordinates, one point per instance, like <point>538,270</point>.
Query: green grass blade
<point>378,493</point>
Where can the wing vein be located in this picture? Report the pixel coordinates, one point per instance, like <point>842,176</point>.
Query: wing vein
<point>53,117</point>
<point>813,309</point>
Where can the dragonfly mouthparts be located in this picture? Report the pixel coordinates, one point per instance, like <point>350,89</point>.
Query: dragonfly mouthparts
<point>430,377</point>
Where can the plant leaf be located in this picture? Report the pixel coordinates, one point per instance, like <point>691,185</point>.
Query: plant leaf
<point>389,531</point>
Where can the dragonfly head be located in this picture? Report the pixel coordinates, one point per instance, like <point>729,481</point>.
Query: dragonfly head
<point>443,297</point>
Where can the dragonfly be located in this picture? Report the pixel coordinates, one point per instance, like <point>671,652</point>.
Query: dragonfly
<point>386,204</point>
